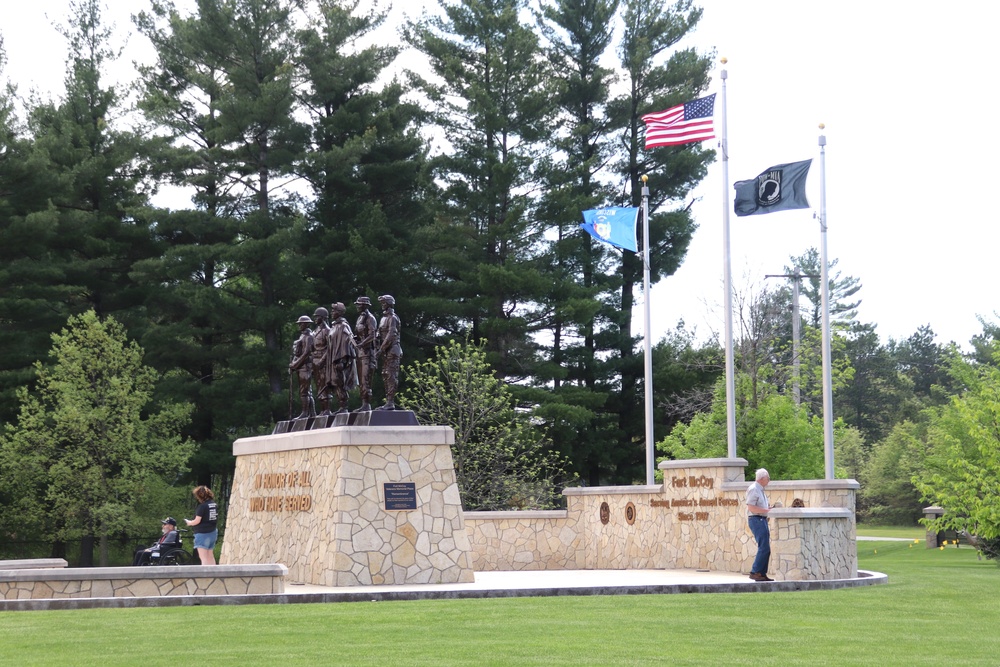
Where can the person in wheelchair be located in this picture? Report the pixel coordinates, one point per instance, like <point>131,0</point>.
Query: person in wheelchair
<point>169,539</point>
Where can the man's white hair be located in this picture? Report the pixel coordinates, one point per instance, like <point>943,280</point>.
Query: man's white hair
<point>762,472</point>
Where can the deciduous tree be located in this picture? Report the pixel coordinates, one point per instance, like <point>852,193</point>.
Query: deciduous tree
<point>87,448</point>
<point>501,460</point>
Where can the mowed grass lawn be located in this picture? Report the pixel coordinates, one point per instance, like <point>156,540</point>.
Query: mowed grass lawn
<point>941,607</point>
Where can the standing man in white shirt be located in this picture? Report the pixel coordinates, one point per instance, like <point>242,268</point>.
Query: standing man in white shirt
<point>757,510</point>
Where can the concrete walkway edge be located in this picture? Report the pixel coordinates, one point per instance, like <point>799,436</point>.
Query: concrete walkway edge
<point>516,587</point>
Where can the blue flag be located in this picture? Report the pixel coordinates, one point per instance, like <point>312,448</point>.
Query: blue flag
<point>614,226</point>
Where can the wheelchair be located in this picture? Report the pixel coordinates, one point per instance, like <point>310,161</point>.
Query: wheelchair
<point>172,554</point>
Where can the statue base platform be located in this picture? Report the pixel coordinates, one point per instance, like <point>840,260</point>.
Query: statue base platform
<point>368,418</point>
<point>355,506</point>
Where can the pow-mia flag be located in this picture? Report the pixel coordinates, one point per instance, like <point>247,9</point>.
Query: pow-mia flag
<point>779,188</point>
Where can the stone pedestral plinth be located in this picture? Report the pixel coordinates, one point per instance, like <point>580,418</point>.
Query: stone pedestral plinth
<point>350,506</point>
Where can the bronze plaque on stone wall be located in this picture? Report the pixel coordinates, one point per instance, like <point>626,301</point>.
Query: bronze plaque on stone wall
<point>630,513</point>
<point>400,496</point>
<point>605,513</point>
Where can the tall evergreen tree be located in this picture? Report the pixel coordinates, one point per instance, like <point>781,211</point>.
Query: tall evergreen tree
<point>842,289</point>
<point>72,185</point>
<point>252,43</point>
<point>201,323</point>
<point>491,100</point>
<point>878,395</point>
<point>659,75</point>
<point>28,298</point>
<point>574,178</point>
<point>365,165</point>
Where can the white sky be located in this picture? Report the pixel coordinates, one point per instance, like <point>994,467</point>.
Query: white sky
<point>903,88</point>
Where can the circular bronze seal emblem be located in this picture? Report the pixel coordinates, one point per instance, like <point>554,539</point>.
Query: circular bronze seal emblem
<point>605,513</point>
<point>630,513</point>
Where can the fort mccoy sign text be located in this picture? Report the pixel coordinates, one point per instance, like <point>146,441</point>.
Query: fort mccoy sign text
<point>694,509</point>
<point>279,481</point>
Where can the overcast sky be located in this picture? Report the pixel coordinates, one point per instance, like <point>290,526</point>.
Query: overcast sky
<point>902,87</point>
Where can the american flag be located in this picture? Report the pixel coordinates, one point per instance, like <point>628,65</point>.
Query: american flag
<point>682,124</point>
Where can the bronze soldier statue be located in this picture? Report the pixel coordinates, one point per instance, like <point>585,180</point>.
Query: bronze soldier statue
<point>321,359</point>
<point>389,350</point>
<point>365,331</point>
<point>343,373</point>
<point>301,363</point>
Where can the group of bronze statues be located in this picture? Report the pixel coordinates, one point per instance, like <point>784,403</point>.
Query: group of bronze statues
<point>339,360</point>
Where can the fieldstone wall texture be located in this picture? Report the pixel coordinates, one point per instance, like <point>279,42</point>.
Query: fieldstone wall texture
<point>695,520</point>
<point>156,581</point>
<point>349,506</point>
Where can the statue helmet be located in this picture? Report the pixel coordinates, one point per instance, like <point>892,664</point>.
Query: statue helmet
<point>387,298</point>
<point>305,319</point>
<point>363,300</point>
<point>338,308</point>
<point>322,312</point>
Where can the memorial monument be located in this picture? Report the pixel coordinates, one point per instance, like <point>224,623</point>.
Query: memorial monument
<point>360,498</point>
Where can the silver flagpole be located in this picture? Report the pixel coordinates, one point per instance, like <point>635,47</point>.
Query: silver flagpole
<point>825,291</point>
<point>730,373</point>
<point>650,457</point>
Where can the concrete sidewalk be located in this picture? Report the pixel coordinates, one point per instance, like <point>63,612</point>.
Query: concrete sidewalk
<point>573,582</point>
<point>486,585</point>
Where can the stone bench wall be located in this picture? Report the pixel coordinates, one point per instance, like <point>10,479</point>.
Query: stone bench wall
<point>32,563</point>
<point>152,581</point>
<point>695,520</point>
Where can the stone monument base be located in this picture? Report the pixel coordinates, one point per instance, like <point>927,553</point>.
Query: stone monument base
<point>350,506</point>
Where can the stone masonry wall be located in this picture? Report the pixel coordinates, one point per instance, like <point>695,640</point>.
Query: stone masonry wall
<point>316,501</point>
<point>155,581</point>
<point>695,520</point>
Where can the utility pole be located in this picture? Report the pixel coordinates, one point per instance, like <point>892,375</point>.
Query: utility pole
<point>796,279</point>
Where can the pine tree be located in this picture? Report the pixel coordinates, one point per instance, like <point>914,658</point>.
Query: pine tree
<point>841,289</point>
<point>75,180</point>
<point>491,101</point>
<point>365,166</point>
<point>202,323</point>
<point>574,179</point>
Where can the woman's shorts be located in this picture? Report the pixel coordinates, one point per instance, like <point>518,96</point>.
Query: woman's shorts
<point>206,540</point>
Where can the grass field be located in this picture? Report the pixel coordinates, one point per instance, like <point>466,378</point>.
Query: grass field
<point>911,532</point>
<point>940,608</point>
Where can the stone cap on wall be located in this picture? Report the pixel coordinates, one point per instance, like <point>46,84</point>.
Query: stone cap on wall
<point>146,572</point>
<point>797,484</point>
<point>703,463</point>
<point>811,512</point>
<point>344,436</point>
<point>517,514</point>
<point>611,490</point>
<point>32,563</point>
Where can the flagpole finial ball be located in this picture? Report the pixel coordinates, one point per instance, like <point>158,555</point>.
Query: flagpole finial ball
<point>723,60</point>
<point>822,126</point>
<point>644,178</point>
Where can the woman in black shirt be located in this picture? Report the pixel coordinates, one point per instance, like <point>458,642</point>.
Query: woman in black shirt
<point>204,522</point>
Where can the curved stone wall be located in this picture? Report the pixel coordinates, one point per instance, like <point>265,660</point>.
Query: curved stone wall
<point>695,520</point>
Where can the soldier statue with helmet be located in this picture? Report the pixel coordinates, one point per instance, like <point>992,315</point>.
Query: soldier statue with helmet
<point>390,350</point>
<point>321,359</point>
<point>301,364</point>
<point>365,332</point>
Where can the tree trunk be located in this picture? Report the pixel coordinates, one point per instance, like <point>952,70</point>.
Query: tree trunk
<point>86,551</point>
